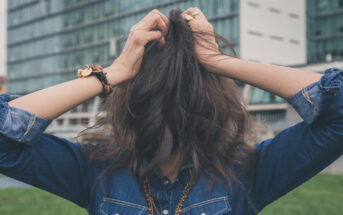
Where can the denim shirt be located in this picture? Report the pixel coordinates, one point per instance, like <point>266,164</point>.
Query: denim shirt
<point>290,158</point>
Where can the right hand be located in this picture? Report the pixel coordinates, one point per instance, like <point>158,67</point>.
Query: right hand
<point>206,47</point>
<point>128,63</point>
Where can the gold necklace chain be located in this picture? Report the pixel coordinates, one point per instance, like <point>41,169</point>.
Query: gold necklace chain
<point>151,202</point>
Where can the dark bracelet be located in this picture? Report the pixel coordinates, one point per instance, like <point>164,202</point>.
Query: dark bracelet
<point>99,73</point>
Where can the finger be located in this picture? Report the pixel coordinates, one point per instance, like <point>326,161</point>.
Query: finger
<point>152,35</point>
<point>187,12</point>
<point>161,25</point>
<point>161,21</point>
<point>185,15</point>
<point>191,10</point>
<point>200,15</point>
<point>162,42</point>
<point>154,19</point>
<point>164,18</point>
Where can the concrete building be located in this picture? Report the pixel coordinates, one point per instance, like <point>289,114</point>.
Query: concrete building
<point>324,40</point>
<point>271,32</point>
<point>48,40</point>
<point>324,49</point>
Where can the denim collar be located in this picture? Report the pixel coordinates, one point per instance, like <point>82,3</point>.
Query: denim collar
<point>188,164</point>
<point>182,176</point>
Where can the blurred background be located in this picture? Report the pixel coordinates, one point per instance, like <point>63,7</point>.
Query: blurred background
<point>43,42</point>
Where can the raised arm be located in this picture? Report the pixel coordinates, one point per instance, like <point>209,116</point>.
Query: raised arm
<point>279,80</point>
<point>282,81</point>
<point>63,97</point>
<point>299,152</point>
<point>52,163</point>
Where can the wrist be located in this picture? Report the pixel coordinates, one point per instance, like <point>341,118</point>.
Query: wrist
<point>116,74</point>
<point>214,64</point>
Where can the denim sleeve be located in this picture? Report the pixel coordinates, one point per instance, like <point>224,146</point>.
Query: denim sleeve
<point>45,161</point>
<point>19,124</point>
<point>301,151</point>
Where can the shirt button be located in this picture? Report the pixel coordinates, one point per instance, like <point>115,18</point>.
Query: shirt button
<point>166,182</point>
<point>203,213</point>
<point>165,211</point>
<point>116,214</point>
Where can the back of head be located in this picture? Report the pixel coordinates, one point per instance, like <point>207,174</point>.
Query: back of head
<point>174,106</point>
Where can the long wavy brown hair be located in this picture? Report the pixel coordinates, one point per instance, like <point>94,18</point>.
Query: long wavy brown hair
<point>175,107</point>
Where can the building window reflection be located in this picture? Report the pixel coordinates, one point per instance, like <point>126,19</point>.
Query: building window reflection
<point>70,33</point>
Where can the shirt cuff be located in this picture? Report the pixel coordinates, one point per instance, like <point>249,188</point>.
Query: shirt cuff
<point>308,101</point>
<point>19,124</point>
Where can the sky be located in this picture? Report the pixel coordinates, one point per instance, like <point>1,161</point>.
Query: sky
<point>3,35</point>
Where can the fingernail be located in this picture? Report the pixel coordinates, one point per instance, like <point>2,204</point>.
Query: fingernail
<point>162,42</point>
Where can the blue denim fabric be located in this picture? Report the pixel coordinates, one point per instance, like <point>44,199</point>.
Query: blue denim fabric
<point>19,124</point>
<point>290,158</point>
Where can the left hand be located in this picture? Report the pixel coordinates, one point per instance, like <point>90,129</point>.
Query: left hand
<point>128,63</point>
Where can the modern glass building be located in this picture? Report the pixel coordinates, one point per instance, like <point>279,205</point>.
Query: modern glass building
<point>49,39</point>
<point>324,30</point>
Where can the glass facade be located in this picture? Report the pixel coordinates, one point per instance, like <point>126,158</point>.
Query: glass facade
<point>259,96</point>
<point>49,39</point>
<point>324,30</point>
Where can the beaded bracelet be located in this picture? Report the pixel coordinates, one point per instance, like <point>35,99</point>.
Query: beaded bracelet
<point>99,73</point>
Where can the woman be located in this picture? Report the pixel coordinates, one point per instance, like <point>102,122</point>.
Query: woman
<point>176,127</point>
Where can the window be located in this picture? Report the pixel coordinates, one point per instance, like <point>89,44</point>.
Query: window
<point>108,8</point>
<point>73,121</point>
<point>84,121</point>
<point>233,5</point>
<point>255,33</point>
<point>59,122</point>
<point>322,5</point>
<point>222,7</point>
<point>88,35</point>
<point>294,41</point>
<point>340,3</point>
<point>274,37</point>
<point>101,32</point>
<point>84,107</point>
<point>340,47</point>
<point>259,96</point>
<point>293,15</point>
<point>340,23</point>
<point>274,10</point>
<point>253,4</point>
<point>79,59</point>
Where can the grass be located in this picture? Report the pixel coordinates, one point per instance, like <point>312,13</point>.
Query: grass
<point>32,201</point>
<point>321,195</point>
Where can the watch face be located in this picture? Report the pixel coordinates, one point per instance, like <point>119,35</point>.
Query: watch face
<point>86,72</point>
